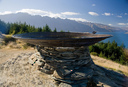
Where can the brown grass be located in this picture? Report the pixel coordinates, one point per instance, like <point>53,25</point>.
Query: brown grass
<point>110,65</point>
<point>9,42</point>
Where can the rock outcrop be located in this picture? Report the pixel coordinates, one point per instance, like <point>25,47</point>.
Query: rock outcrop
<point>58,67</point>
<point>17,72</point>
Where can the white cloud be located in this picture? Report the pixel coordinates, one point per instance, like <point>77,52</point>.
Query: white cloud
<point>122,23</point>
<point>33,11</point>
<point>61,15</point>
<point>69,13</point>
<point>78,19</point>
<point>93,4</point>
<point>107,14</point>
<point>39,12</point>
<point>110,24</point>
<point>125,13</point>
<point>6,12</point>
<point>47,13</point>
<point>119,16</point>
<point>93,13</point>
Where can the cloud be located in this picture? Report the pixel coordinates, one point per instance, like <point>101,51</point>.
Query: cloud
<point>62,15</point>
<point>6,12</point>
<point>110,24</point>
<point>47,13</point>
<point>33,11</point>
<point>122,24</point>
<point>93,13</point>
<point>119,16</point>
<point>125,13</point>
<point>93,4</point>
<point>107,14</point>
<point>69,13</point>
<point>39,12</point>
<point>78,19</point>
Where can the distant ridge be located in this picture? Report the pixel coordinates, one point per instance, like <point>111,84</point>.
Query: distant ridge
<point>59,24</point>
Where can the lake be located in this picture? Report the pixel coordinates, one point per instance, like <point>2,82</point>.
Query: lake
<point>119,37</point>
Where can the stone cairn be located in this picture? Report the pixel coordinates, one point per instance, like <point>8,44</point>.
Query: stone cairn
<point>73,67</point>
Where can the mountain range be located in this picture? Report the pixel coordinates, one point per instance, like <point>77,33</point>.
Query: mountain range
<point>58,23</point>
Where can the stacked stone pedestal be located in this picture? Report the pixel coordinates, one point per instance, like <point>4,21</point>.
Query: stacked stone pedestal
<point>73,67</point>
<point>67,65</point>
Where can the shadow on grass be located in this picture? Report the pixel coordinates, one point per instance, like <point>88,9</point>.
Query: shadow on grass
<point>110,77</point>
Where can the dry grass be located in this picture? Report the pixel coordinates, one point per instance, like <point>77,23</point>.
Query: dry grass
<point>110,65</point>
<point>6,35</point>
<point>9,42</point>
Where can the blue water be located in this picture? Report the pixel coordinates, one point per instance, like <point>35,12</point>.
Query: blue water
<point>119,37</point>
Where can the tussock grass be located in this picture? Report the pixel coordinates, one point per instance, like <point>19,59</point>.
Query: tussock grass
<point>123,69</point>
<point>10,42</point>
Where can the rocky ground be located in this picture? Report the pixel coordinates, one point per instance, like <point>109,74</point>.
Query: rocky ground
<point>15,71</point>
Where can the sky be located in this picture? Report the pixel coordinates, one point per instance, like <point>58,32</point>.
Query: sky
<point>108,12</point>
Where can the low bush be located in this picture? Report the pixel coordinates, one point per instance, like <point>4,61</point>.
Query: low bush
<point>10,42</point>
<point>27,45</point>
<point>94,53</point>
<point>110,51</point>
<point>8,39</point>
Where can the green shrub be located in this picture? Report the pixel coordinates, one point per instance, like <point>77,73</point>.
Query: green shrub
<point>101,54</point>
<point>94,53</point>
<point>110,51</point>
<point>25,46</point>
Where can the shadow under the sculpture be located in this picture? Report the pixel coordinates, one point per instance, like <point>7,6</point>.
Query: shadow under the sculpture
<point>104,77</point>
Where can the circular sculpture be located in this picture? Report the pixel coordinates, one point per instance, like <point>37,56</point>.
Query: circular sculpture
<point>61,39</point>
